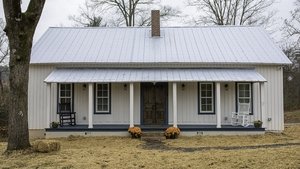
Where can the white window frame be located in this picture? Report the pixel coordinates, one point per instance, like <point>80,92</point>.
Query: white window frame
<point>250,95</point>
<point>65,97</point>
<point>212,98</point>
<point>102,97</point>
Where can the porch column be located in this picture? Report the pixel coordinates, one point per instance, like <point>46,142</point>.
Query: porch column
<point>48,108</point>
<point>174,104</point>
<point>262,104</point>
<point>131,105</point>
<point>90,103</point>
<point>218,104</point>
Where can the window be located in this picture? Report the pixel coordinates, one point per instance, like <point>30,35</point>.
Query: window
<point>65,92</point>
<point>206,98</point>
<point>244,94</point>
<point>102,105</point>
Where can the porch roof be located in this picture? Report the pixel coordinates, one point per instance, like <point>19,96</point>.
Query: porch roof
<point>94,75</point>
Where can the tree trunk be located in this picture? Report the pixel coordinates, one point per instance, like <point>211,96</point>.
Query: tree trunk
<point>20,28</point>
<point>18,137</point>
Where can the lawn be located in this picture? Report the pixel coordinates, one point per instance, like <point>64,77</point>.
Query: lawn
<point>261,151</point>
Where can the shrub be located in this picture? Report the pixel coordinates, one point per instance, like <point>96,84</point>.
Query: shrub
<point>135,132</point>
<point>54,124</point>
<point>172,132</point>
<point>46,146</point>
<point>257,123</point>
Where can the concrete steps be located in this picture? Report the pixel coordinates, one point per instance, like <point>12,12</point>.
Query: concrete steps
<point>153,136</point>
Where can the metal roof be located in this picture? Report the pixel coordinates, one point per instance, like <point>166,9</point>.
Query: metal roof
<point>219,44</point>
<point>77,75</point>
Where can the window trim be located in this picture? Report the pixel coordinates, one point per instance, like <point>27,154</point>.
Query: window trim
<point>95,100</point>
<point>237,96</point>
<point>213,99</point>
<point>58,97</point>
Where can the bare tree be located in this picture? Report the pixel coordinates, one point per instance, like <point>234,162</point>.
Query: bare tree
<point>233,12</point>
<point>88,16</point>
<point>292,26</point>
<point>134,12</point>
<point>20,28</point>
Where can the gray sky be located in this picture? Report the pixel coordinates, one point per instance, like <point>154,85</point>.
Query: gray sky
<point>56,13</point>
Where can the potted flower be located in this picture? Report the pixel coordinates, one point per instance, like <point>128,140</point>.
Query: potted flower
<point>257,123</point>
<point>54,124</point>
<point>172,132</point>
<point>135,132</point>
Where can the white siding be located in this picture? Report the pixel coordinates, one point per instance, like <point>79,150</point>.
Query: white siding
<point>187,101</point>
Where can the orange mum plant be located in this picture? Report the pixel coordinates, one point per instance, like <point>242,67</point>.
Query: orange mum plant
<point>172,132</point>
<point>135,132</point>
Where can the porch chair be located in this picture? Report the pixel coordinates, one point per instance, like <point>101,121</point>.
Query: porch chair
<point>66,115</point>
<point>242,117</point>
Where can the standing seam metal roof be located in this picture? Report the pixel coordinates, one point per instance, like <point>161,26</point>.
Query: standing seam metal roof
<point>84,75</point>
<point>219,44</point>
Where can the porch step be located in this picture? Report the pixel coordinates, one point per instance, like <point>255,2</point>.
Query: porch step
<point>153,136</point>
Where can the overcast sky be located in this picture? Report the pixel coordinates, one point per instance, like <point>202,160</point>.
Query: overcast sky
<point>56,13</point>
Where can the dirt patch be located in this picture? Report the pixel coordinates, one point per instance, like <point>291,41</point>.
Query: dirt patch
<point>155,144</point>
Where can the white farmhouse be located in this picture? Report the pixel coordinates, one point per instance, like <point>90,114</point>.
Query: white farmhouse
<point>103,80</point>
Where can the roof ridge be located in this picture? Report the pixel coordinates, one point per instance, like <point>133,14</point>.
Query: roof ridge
<point>138,27</point>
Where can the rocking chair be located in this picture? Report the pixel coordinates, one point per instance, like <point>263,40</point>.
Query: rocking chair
<point>66,115</point>
<point>242,117</point>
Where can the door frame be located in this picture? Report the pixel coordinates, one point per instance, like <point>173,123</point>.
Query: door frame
<point>166,117</point>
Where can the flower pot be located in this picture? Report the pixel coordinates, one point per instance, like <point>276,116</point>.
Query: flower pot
<point>257,124</point>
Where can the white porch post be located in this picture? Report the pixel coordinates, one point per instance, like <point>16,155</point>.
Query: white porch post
<point>174,104</point>
<point>90,107</point>
<point>131,104</point>
<point>262,104</point>
<point>218,104</point>
<point>48,105</point>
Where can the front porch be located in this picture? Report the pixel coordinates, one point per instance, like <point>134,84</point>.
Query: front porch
<point>121,130</point>
<point>127,106</point>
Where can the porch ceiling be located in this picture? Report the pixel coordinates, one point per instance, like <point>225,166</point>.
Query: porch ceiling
<point>94,75</point>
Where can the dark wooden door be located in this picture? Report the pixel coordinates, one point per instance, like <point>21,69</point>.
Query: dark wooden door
<point>154,102</point>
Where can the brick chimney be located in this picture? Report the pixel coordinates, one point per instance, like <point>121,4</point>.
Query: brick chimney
<point>155,23</point>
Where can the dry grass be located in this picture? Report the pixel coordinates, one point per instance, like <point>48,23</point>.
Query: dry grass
<point>120,152</point>
<point>292,116</point>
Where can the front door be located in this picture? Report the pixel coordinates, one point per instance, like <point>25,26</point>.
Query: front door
<point>154,103</point>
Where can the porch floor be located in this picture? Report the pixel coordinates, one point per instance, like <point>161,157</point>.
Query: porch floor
<point>118,128</point>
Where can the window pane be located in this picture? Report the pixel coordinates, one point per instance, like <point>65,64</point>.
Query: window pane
<point>209,107</point>
<point>203,93</point>
<point>99,100</point>
<point>68,93</point>
<point>241,94</point>
<point>105,108</point>
<point>105,93</point>
<point>203,108</point>
<point>99,93</point>
<point>105,101</point>
<point>62,93</point>
<point>246,100</point>
<point>247,86</point>
<point>203,87</point>
<point>62,87</point>
<point>104,86</point>
<point>247,93</point>
<point>209,86</point>
<point>203,101</point>
<point>99,108</point>
<point>241,87</point>
<point>209,93</point>
<point>209,101</point>
<point>100,87</point>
